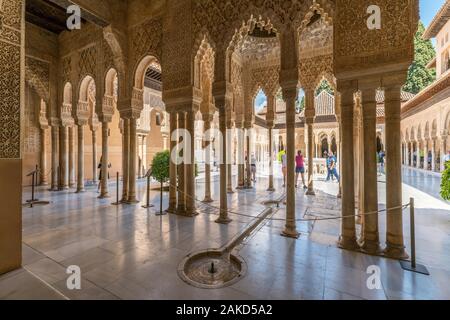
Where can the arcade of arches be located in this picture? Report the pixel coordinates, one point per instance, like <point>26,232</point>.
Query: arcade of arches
<point>111,93</point>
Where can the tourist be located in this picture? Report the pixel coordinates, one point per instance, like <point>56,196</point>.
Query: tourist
<point>100,173</point>
<point>381,158</point>
<point>253,167</point>
<point>329,175</point>
<point>300,169</point>
<point>332,162</point>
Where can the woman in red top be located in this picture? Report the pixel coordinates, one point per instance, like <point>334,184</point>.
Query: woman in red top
<point>300,169</point>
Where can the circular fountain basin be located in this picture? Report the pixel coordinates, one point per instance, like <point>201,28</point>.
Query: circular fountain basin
<point>211,269</point>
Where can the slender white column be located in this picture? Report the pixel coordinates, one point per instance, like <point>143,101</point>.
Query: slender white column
<point>433,155</point>
<point>94,156</point>
<point>290,229</point>
<point>64,158</point>
<point>72,179</point>
<point>207,127</point>
<point>229,160</point>
<point>55,163</point>
<point>348,231</point>
<point>443,151</point>
<point>105,161</point>
<point>43,158</point>
<point>395,247</point>
<point>132,198</point>
<point>223,219</point>
<point>371,240</point>
<point>125,159</point>
<point>181,210</point>
<point>310,114</point>
<point>173,168</point>
<point>80,175</point>
<point>191,209</point>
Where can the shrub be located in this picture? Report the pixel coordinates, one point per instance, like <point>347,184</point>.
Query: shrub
<point>445,185</point>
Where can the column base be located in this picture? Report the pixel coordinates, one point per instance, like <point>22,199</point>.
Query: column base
<point>240,188</point>
<point>104,196</point>
<point>171,210</point>
<point>310,192</point>
<point>132,200</point>
<point>395,252</point>
<point>271,190</point>
<point>80,191</point>
<point>371,247</point>
<point>223,220</point>
<point>208,200</point>
<point>230,191</point>
<point>43,184</point>
<point>191,214</point>
<point>288,233</point>
<point>348,243</point>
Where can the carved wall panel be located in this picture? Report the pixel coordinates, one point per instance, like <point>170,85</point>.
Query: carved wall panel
<point>10,79</point>
<point>357,47</point>
<point>37,75</point>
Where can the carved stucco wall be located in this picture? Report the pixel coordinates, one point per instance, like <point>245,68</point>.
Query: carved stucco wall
<point>10,79</point>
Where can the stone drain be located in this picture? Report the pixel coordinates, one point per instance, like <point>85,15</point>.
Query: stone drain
<point>218,268</point>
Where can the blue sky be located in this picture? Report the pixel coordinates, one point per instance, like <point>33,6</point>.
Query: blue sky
<point>428,9</point>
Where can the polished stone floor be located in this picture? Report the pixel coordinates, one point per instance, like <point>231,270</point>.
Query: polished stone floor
<point>127,252</point>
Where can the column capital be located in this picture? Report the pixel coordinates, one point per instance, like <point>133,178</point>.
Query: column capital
<point>394,80</point>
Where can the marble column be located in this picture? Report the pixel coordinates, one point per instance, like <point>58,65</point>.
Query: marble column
<point>104,193</point>
<point>425,152</point>
<point>229,159</point>
<point>72,161</point>
<point>395,247</point>
<point>132,198</point>
<point>241,157</point>
<point>443,151</point>
<point>190,166</point>
<point>144,155</point>
<point>80,173</point>
<point>223,219</point>
<point>173,167</point>
<point>271,185</point>
<point>55,163</point>
<point>289,96</point>
<point>94,156</point>
<point>43,158</point>
<point>248,171</point>
<point>181,209</point>
<point>125,159</point>
<point>371,241</point>
<point>207,118</point>
<point>64,158</point>
<point>411,155</point>
<point>348,231</point>
<point>433,155</point>
<point>310,114</point>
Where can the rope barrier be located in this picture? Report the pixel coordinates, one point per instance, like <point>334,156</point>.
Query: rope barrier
<point>317,218</point>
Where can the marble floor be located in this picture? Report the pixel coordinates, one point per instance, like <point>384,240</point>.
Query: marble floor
<point>127,252</point>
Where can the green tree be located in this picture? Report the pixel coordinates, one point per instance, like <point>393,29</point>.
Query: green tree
<point>160,171</point>
<point>324,86</point>
<point>445,185</point>
<point>419,76</point>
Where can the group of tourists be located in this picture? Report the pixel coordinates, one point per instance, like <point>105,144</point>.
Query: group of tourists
<point>331,163</point>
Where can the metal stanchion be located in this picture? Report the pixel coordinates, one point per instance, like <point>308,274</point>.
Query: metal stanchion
<point>412,265</point>
<point>148,204</point>
<point>117,191</point>
<point>161,212</point>
<point>33,201</point>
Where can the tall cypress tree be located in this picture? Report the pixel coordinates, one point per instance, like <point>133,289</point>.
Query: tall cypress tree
<point>419,76</point>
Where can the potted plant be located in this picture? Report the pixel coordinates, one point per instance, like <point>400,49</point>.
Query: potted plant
<point>160,171</point>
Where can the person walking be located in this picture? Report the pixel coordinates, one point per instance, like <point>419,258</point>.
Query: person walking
<point>253,166</point>
<point>100,174</point>
<point>300,169</point>
<point>332,162</point>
